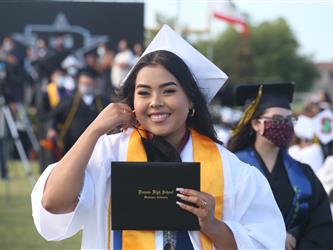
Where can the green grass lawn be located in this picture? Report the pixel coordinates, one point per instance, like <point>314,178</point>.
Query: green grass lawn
<point>17,230</point>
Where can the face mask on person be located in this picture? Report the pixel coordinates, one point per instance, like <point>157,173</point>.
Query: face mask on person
<point>279,133</point>
<point>86,90</point>
<point>60,81</point>
<point>72,71</point>
<point>100,51</point>
<point>7,46</point>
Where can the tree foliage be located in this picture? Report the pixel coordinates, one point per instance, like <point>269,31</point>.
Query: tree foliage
<point>269,54</point>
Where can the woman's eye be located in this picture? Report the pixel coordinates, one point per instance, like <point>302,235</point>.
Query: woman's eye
<point>143,93</point>
<point>169,91</point>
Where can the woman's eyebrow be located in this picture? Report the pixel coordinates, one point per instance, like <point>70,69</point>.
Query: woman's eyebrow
<point>163,85</point>
<point>140,85</point>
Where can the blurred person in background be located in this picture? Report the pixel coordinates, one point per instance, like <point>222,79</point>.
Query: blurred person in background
<point>228,120</point>
<point>325,103</point>
<point>57,53</point>
<point>55,92</point>
<point>311,108</point>
<point>91,62</point>
<point>228,116</point>
<point>72,116</point>
<point>16,76</point>
<point>325,175</point>
<point>261,139</point>
<point>122,63</point>
<point>102,72</point>
<point>105,62</point>
<point>50,99</point>
<point>306,149</point>
<point>138,50</point>
<point>3,160</point>
<point>71,66</point>
<point>325,100</point>
<point>37,56</point>
<point>13,85</point>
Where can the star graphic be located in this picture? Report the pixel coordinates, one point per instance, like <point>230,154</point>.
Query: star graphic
<point>60,25</point>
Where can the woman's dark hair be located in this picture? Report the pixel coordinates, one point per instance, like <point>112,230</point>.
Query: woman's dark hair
<point>201,121</point>
<point>246,136</point>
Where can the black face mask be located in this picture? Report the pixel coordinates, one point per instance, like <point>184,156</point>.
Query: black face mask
<point>158,149</point>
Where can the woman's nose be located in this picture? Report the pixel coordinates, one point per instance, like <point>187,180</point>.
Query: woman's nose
<point>156,101</point>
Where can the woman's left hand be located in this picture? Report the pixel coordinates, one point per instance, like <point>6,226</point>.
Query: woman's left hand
<point>203,206</point>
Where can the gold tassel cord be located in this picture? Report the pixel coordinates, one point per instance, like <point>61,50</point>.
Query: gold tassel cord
<point>248,113</point>
<point>69,119</point>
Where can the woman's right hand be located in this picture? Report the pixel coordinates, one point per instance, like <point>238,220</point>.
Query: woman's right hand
<point>66,180</point>
<point>290,242</point>
<point>113,116</point>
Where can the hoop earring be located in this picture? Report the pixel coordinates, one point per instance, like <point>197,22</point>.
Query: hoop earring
<point>191,112</point>
<point>135,122</point>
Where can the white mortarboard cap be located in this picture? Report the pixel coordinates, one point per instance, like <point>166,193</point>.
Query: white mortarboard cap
<point>324,126</point>
<point>208,76</point>
<point>305,127</point>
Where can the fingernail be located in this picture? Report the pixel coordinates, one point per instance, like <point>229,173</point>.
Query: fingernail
<point>178,203</point>
<point>180,195</point>
<point>180,189</point>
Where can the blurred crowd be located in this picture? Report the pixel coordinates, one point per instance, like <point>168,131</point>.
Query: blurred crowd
<point>58,91</point>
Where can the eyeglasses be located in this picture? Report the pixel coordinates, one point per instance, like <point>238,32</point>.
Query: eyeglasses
<point>279,119</point>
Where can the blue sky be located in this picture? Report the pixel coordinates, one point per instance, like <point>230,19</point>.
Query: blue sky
<point>311,21</point>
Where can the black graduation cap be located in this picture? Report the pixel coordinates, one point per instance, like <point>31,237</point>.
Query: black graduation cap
<point>226,95</point>
<point>273,94</point>
<point>258,97</point>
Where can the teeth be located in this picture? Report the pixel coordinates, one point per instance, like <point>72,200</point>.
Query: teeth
<point>159,118</point>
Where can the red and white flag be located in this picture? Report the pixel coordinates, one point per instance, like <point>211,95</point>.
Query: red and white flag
<point>226,11</point>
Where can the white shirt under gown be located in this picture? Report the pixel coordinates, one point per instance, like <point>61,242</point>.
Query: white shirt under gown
<point>249,208</point>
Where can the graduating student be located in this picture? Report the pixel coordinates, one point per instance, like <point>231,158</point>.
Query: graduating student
<point>168,91</point>
<point>260,139</point>
<point>73,114</point>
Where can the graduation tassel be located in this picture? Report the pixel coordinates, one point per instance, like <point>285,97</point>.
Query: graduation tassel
<point>248,113</point>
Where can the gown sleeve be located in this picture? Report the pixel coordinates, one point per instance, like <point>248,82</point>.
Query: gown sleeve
<point>318,230</point>
<point>55,227</point>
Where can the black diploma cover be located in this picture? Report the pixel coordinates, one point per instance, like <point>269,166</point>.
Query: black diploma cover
<point>143,195</point>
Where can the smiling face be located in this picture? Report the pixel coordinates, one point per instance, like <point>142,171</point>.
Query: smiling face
<point>160,103</point>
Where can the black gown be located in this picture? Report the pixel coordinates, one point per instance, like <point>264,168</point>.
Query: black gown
<point>317,231</point>
<point>84,115</point>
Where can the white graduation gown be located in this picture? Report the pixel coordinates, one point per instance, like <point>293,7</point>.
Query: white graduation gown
<point>249,208</point>
<point>311,155</point>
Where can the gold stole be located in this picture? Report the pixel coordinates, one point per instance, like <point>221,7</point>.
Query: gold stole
<point>206,152</point>
<point>52,91</point>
